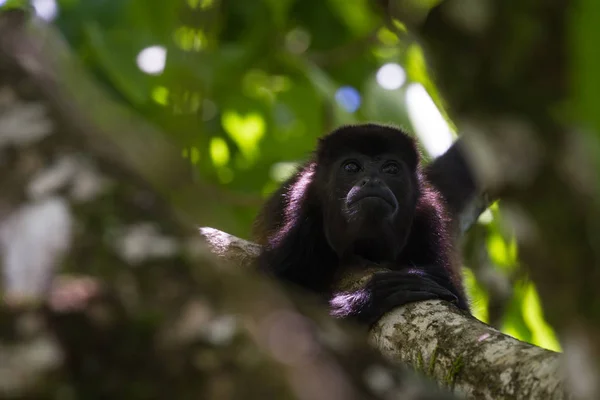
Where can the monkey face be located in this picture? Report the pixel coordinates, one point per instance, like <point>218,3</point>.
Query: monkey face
<point>365,182</point>
<point>370,206</point>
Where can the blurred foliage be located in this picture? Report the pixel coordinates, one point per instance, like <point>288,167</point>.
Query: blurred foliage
<point>245,88</point>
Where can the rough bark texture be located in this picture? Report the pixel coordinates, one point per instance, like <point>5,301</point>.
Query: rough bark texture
<point>155,318</point>
<point>458,351</point>
<point>466,355</point>
<point>230,248</point>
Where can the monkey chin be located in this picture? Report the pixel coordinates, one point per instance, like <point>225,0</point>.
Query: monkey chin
<point>371,221</point>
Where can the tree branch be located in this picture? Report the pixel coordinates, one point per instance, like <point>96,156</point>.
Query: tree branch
<point>458,351</point>
<point>466,355</point>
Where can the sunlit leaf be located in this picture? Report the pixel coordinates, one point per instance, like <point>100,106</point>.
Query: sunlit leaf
<point>501,253</point>
<point>194,155</point>
<point>219,152</point>
<point>245,130</point>
<point>477,295</point>
<point>387,37</point>
<point>384,53</point>
<point>509,329</point>
<point>160,95</point>
<point>513,322</point>
<point>399,25</point>
<point>543,334</point>
<point>188,38</point>
<point>357,14</point>
<point>415,64</point>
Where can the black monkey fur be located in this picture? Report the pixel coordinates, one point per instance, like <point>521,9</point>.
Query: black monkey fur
<point>363,199</point>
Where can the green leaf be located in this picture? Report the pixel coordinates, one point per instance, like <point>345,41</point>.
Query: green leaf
<point>245,130</point>
<point>219,152</point>
<point>542,334</point>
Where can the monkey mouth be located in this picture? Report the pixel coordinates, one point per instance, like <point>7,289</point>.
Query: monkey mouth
<point>372,195</point>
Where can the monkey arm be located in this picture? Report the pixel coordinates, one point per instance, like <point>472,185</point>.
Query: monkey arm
<point>387,290</point>
<point>453,177</point>
<point>290,262</point>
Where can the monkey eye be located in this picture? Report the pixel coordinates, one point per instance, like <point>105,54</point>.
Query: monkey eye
<point>391,168</point>
<point>351,167</point>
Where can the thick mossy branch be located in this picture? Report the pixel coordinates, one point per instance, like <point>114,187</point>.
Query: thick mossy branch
<point>456,350</point>
<point>464,354</point>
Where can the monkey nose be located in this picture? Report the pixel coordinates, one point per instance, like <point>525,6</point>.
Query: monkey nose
<point>370,182</point>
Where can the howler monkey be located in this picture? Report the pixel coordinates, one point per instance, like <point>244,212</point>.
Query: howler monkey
<point>364,199</point>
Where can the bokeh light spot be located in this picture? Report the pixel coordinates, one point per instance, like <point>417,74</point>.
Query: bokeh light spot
<point>160,95</point>
<point>428,122</point>
<point>348,98</point>
<point>391,76</point>
<point>486,217</point>
<point>219,152</point>
<point>152,60</point>
<point>45,9</point>
<point>297,41</point>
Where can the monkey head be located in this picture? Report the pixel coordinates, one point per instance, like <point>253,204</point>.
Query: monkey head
<point>367,182</point>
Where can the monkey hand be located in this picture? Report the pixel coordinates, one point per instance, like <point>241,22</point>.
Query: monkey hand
<point>388,290</point>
